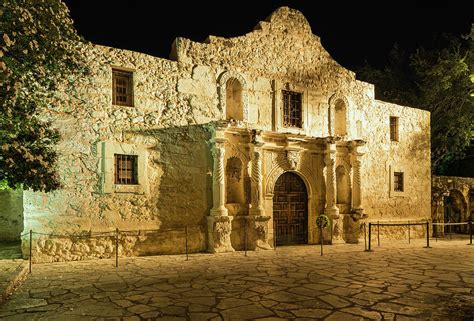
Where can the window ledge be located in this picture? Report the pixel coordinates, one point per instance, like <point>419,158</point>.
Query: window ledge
<point>136,189</point>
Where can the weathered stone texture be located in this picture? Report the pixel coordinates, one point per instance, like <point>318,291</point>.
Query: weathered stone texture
<point>11,215</point>
<point>173,127</point>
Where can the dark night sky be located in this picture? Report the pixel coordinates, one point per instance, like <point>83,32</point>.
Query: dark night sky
<point>351,32</point>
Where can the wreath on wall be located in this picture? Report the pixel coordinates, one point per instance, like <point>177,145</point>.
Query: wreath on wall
<point>322,221</point>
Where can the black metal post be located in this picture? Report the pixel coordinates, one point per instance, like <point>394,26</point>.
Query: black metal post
<point>470,232</point>
<point>378,233</point>
<point>408,232</point>
<point>31,245</point>
<point>370,236</point>
<point>245,237</point>
<point>186,232</point>
<point>427,234</point>
<point>331,227</point>
<point>274,237</point>
<point>435,232</point>
<point>116,246</point>
<point>365,236</point>
<point>321,239</point>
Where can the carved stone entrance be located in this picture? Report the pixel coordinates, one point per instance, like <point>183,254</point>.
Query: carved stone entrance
<point>290,210</point>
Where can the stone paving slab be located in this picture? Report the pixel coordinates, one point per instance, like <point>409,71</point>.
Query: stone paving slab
<point>11,273</point>
<point>395,282</point>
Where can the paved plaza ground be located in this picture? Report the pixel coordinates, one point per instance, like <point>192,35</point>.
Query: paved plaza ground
<point>397,281</point>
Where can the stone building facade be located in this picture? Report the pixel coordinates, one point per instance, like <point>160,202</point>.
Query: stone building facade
<point>243,140</point>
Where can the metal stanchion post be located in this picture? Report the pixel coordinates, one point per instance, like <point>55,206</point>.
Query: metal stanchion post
<point>330,226</point>
<point>245,237</point>
<point>31,245</point>
<point>470,232</point>
<point>186,232</point>
<point>370,235</point>
<point>365,236</point>
<point>321,239</point>
<point>274,237</point>
<point>427,234</point>
<point>378,233</point>
<point>116,246</point>
<point>435,232</point>
<point>408,232</point>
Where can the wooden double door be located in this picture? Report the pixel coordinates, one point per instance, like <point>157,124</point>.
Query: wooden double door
<point>290,210</point>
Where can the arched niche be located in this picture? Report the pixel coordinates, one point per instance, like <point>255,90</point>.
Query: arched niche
<point>233,98</point>
<point>343,186</point>
<point>235,186</point>
<point>234,106</point>
<point>455,211</point>
<point>338,118</point>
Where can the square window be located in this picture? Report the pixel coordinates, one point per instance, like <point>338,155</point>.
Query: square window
<point>398,182</point>
<point>125,169</point>
<point>122,87</point>
<point>292,111</point>
<point>394,129</point>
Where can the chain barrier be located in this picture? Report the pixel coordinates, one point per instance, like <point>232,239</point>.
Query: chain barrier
<point>115,235</point>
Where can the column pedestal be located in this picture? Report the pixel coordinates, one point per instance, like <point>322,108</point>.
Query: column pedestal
<point>218,229</point>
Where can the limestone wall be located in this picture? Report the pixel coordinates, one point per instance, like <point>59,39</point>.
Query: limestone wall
<point>11,215</point>
<point>410,155</point>
<point>169,130</point>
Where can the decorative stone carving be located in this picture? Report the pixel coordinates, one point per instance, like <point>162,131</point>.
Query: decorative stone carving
<point>293,157</point>
<point>260,232</point>
<point>331,209</point>
<point>357,153</point>
<point>257,181</point>
<point>219,229</point>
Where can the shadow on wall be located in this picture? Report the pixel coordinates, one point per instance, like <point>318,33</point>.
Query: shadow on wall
<point>180,175</point>
<point>419,145</point>
<point>11,215</point>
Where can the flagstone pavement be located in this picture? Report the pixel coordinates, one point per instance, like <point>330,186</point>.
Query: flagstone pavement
<point>397,281</point>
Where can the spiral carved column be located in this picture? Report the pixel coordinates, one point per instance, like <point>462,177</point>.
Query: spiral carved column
<point>219,223</point>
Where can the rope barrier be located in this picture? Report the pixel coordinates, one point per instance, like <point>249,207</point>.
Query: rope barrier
<point>440,223</point>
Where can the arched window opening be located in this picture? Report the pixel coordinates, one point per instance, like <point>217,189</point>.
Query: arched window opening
<point>343,186</point>
<point>340,118</point>
<point>234,99</point>
<point>235,181</point>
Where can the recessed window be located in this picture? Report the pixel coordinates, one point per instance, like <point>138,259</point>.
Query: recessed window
<point>394,129</point>
<point>292,113</point>
<point>398,181</point>
<point>125,169</point>
<point>122,87</point>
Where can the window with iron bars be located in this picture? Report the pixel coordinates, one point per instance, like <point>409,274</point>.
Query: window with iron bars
<point>398,181</point>
<point>292,113</point>
<point>126,169</point>
<point>394,129</point>
<point>122,83</point>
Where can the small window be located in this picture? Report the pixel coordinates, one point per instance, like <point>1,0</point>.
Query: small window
<point>126,169</point>
<point>122,84</point>
<point>398,181</point>
<point>394,129</point>
<point>292,114</point>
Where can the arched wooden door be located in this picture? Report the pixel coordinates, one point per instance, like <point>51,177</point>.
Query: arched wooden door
<point>290,210</point>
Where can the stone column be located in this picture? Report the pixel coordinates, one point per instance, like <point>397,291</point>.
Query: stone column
<point>258,220</point>
<point>219,223</point>
<point>357,153</point>
<point>351,222</point>
<point>331,209</point>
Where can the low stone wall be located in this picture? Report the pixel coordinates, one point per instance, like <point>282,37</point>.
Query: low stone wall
<point>11,215</point>
<point>57,248</point>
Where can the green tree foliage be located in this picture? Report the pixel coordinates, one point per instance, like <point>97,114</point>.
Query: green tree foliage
<point>38,55</point>
<point>440,80</point>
